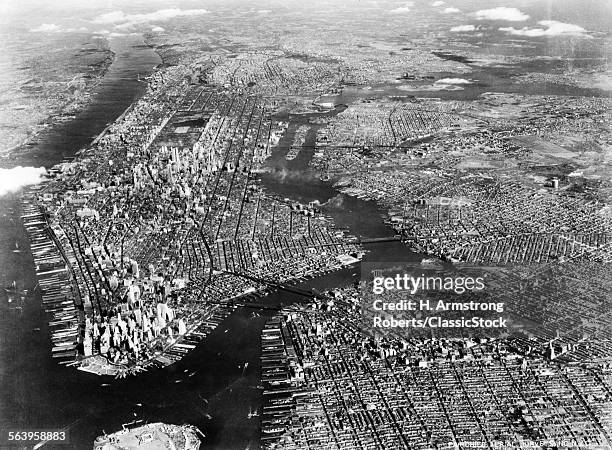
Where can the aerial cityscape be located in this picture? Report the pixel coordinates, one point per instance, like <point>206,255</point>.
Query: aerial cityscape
<point>344,224</point>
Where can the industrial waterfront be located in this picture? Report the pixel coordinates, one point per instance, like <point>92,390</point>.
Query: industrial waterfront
<point>204,244</point>
<point>201,385</point>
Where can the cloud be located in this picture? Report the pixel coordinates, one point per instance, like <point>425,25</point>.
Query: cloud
<point>403,9</point>
<point>336,202</point>
<point>502,13</point>
<point>52,28</point>
<point>125,26</point>
<point>264,11</point>
<point>284,175</point>
<point>434,87</point>
<point>553,28</point>
<point>46,28</point>
<point>451,10</point>
<point>452,81</point>
<point>438,3</point>
<point>157,29</point>
<point>462,28</point>
<point>112,17</point>
<point>123,21</point>
<point>11,180</point>
<point>76,30</point>
<point>115,34</point>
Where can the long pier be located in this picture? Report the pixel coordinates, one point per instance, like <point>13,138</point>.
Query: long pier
<point>60,296</point>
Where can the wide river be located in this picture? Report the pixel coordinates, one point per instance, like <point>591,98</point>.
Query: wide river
<point>208,388</point>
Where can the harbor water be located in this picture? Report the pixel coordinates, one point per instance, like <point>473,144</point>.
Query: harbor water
<point>213,387</point>
<point>210,388</point>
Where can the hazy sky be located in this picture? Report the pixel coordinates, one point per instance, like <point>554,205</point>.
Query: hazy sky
<point>595,14</point>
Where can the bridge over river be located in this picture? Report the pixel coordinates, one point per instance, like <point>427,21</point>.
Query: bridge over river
<point>383,239</point>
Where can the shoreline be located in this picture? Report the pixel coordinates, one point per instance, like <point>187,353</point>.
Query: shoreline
<point>78,285</point>
<point>65,120</point>
<point>64,112</point>
<point>127,110</point>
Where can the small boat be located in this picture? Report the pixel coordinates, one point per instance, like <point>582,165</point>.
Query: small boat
<point>11,288</point>
<point>252,413</point>
<point>432,263</point>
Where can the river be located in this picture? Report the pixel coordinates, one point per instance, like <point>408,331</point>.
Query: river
<point>209,387</point>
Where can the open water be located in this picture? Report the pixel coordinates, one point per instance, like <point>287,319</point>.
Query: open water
<point>210,387</point>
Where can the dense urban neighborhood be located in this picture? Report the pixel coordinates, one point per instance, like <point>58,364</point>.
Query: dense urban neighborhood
<point>368,240</point>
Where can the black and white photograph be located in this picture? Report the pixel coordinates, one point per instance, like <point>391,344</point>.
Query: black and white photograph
<point>305,224</point>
